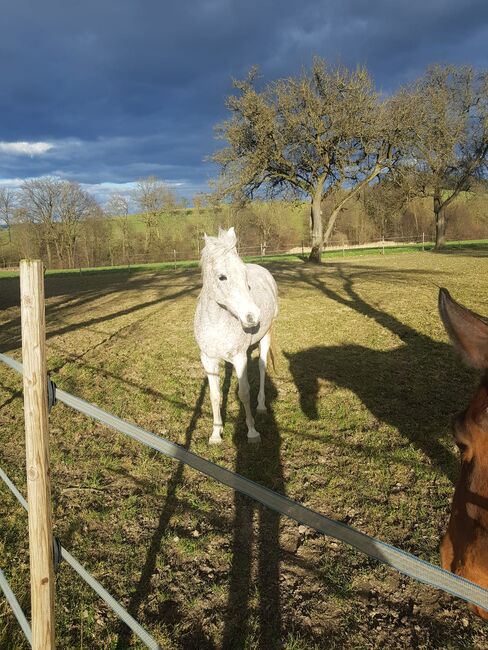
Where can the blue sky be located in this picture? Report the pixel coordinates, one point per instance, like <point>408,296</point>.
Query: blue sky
<point>107,92</point>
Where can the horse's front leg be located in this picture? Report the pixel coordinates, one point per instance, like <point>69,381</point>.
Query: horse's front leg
<point>264,346</point>
<point>211,367</point>
<point>240,364</point>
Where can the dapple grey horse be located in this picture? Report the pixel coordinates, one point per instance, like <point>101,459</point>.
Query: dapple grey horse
<point>235,310</point>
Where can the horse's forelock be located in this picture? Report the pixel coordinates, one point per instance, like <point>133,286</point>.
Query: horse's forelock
<point>215,248</point>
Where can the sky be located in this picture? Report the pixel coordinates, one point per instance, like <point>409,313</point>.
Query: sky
<point>110,91</point>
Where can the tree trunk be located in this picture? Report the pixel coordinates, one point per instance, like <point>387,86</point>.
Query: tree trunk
<point>147,238</point>
<point>440,222</point>
<point>87,253</point>
<point>49,255</point>
<point>331,224</point>
<point>316,229</point>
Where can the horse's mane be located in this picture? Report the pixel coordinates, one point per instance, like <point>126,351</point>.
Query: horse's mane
<point>215,248</point>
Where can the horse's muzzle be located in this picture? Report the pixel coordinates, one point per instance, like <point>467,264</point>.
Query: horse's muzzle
<point>251,320</point>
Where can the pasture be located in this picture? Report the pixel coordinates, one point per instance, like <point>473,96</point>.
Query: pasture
<point>358,429</point>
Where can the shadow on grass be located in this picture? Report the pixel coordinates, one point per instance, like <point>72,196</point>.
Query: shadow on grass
<point>143,588</point>
<point>416,387</point>
<point>256,532</point>
<point>11,336</point>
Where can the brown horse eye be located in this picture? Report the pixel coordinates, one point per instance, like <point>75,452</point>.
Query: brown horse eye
<point>222,277</point>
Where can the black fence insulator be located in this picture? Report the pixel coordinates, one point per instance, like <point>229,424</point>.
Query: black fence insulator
<point>51,394</point>
<point>57,556</point>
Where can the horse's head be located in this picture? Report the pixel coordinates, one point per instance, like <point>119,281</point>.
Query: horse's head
<point>225,276</point>
<point>464,549</point>
<point>469,335</point>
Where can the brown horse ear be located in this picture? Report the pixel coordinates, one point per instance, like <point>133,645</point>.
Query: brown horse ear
<point>467,331</point>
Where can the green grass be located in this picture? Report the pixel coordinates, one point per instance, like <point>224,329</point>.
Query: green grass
<point>365,387</point>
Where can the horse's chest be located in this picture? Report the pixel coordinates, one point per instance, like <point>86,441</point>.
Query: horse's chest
<point>220,336</point>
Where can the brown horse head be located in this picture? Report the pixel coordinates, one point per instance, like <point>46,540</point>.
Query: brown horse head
<point>464,548</point>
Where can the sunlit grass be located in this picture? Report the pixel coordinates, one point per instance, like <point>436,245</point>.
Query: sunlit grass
<point>359,430</point>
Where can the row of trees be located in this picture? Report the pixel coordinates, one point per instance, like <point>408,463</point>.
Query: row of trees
<point>61,223</point>
<point>58,220</point>
<point>328,134</point>
<point>99,238</point>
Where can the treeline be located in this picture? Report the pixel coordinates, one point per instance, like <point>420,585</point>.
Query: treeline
<point>79,233</point>
<point>63,225</point>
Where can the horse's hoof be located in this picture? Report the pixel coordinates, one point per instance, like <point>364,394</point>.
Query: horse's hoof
<point>254,440</point>
<point>214,440</point>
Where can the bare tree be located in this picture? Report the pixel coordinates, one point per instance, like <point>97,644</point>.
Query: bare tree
<point>449,147</point>
<point>74,205</point>
<point>55,209</point>
<point>95,237</point>
<point>153,196</point>
<point>311,135</point>
<point>39,199</point>
<point>8,203</point>
<point>118,206</point>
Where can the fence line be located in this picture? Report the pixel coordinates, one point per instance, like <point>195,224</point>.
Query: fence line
<point>303,247</point>
<point>402,561</point>
<point>258,250</point>
<point>122,613</point>
<point>16,608</point>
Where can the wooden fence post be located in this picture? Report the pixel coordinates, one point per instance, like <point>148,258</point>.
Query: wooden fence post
<point>37,453</point>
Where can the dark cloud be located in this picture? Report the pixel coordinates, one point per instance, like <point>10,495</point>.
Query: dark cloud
<point>126,88</point>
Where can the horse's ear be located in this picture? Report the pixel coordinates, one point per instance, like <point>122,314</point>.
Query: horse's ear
<point>231,236</point>
<point>467,331</point>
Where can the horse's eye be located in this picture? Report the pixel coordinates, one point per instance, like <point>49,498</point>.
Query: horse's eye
<point>461,446</point>
<point>222,277</point>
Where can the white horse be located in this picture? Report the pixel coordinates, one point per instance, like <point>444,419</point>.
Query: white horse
<point>236,309</point>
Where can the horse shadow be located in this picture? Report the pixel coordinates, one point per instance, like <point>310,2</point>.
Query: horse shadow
<point>255,566</point>
<point>171,615</point>
<point>415,388</point>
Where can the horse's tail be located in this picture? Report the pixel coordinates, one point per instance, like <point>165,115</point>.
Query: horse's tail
<point>272,349</point>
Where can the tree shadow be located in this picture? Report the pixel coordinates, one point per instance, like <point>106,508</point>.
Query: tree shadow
<point>11,333</point>
<point>71,294</point>
<point>256,530</point>
<point>401,387</point>
<point>80,289</point>
<point>143,588</point>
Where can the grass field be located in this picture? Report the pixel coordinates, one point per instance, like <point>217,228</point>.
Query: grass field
<point>361,401</point>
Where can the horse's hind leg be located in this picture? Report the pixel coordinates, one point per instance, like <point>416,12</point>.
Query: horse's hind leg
<point>240,364</point>
<point>211,367</point>
<point>264,346</point>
